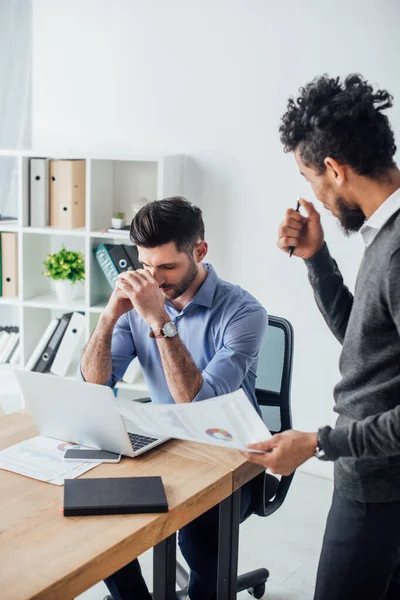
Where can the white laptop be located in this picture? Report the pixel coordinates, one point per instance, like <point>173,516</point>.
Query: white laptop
<point>84,413</point>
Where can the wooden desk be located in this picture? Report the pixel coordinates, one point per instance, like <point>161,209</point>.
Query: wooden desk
<point>45,555</point>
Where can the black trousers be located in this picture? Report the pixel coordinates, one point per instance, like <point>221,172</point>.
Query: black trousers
<point>360,557</point>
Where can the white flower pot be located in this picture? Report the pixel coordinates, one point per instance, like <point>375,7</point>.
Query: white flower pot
<point>66,291</point>
<point>118,223</point>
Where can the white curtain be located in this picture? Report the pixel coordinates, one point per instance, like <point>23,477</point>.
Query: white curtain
<point>15,92</point>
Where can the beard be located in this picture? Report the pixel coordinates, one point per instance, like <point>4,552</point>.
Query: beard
<point>178,289</point>
<point>351,219</point>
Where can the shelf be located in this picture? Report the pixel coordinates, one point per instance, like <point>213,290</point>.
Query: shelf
<point>51,301</point>
<point>12,227</point>
<point>80,231</point>
<point>62,153</point>
<point>110,236</point>
<point>114,182</point>
<point>9,300</point>
<point>72,369</point>
<point>7,367</point>
<point>98,308</point>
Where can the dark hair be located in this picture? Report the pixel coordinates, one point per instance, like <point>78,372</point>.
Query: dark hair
<point>341,120</point>
<point>170,220</point>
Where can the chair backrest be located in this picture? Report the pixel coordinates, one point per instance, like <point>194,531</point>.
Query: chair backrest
<point>274,375</point>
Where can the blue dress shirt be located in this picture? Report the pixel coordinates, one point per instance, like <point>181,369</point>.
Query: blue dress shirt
<point>222,327</point>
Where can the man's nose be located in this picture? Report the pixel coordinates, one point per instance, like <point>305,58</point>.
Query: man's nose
<point>159,277</point>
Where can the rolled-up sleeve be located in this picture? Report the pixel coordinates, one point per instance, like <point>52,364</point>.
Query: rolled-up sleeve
<point>123,351</point>
<point>227,369</point>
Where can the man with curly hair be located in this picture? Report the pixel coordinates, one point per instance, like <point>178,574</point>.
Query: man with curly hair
<point>344,147</point>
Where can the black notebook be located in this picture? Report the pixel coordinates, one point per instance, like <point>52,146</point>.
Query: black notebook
<point>114,496</point>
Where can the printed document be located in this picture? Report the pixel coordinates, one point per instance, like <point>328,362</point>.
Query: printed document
<point>230,421</point>
<point>42,458</point>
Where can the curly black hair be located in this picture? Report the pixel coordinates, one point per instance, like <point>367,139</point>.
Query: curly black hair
<point>343,121</point>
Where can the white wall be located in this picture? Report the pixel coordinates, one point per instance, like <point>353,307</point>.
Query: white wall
<point>210,78</point>
<point>15,92</point>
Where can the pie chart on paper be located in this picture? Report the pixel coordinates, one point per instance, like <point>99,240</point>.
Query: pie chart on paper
<point>65,445</point>
<point>219,434</point>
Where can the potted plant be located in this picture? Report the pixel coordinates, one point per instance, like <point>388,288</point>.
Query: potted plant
<point>118,220</point>
<point>66,268</point>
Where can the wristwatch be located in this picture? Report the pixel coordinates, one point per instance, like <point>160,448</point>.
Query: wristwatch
<point>319,450</point>
<point>168,330</point>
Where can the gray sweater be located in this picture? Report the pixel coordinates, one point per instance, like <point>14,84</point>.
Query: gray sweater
<point>365,442</point>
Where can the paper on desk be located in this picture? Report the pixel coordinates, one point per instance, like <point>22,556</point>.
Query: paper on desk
<point>42,458</point>
<point>230,421</point>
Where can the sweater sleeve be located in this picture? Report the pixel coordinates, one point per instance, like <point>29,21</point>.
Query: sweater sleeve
<point>333,298</point>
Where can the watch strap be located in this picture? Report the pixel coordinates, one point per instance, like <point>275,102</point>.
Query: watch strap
<point>163,332</point>
<point>320,450</point>
<point>158,333</point>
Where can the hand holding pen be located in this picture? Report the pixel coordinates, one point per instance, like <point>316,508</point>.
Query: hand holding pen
<point>299,235</point>
<point>291,248</point>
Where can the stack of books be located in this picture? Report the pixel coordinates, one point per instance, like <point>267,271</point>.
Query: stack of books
<point>9,345</point>
<point>121,231</point>
<point>58,345</point>
<point>116,258</point>
<point>8,264</point>
<point>6,220</point>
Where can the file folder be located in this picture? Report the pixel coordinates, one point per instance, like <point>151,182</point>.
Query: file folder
<point>39,192</point>
<point>46,359</point>
<point>106,263</point>
<point>67,193</point>
<point>9,261</point>
<point>1,271</point>
<point>9,347</point>
<point>69,344</point>
<point>15,358</point>
<point>133,256</point>
<point>4,338</point>
<point>120,257</point>
<point>14,352</point>
<point>39,349</point>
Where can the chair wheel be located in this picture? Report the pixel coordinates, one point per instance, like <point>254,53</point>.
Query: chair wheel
<point>258,591</point>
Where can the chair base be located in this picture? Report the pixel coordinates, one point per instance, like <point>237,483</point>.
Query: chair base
<point>254,582</point>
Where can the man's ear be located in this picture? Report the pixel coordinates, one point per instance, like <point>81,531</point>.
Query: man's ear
<point>200,250</point>
<point>335,171</point>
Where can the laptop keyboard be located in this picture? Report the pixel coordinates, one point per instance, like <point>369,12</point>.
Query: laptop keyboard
<point>140,441</point>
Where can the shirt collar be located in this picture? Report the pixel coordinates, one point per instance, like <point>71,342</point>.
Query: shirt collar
<point>205,294</point>
<point>378,219</point>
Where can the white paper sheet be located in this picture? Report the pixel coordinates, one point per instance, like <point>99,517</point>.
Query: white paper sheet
<point>230,421</point>
<point>42,458</point>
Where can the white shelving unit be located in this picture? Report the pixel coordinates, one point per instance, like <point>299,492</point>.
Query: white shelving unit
<point>113,183</point>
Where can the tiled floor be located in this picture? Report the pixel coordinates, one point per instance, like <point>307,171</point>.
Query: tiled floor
<point>287,543</point>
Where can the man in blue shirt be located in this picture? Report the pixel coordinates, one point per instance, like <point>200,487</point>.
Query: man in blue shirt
<point>196,337</point>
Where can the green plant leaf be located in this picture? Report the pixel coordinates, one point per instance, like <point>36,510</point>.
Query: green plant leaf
<point>65,264</point>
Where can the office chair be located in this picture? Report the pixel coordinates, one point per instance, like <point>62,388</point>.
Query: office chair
<point>273,384</point>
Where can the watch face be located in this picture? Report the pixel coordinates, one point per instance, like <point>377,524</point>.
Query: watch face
<point>169,329</point>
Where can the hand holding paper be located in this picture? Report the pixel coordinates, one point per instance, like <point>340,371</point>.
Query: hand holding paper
<point>284,452</point>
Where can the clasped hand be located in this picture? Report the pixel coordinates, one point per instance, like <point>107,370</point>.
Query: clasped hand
<point>143,291</point>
